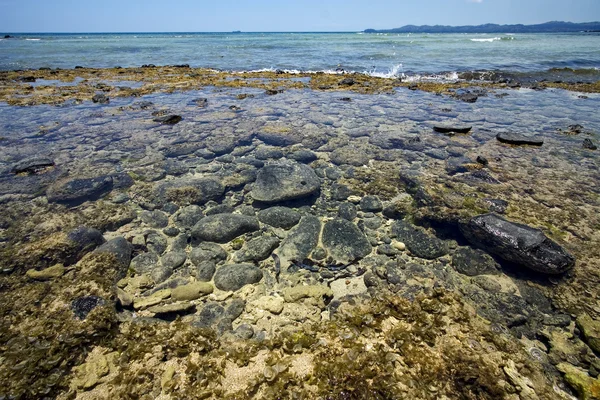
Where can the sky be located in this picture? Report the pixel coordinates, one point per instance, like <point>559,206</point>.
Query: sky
<point>278,15</point>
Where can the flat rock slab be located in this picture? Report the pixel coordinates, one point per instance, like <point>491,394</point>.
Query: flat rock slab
<point>234,276</point>
<point>77,191</point>
<point>301,240</point>
<point>190,191</point>
<point>256,249</point>
<point>452,129</point>
<point>168,119</point>
<point>221,228</point>
<point>518,139</point>
<point>284,181</point>
<point>32,165</point>
<point>518,243</point>
<point>420,243</point>
<point>344,241</point>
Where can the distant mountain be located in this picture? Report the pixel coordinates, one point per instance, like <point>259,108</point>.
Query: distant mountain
<point>548,27</point>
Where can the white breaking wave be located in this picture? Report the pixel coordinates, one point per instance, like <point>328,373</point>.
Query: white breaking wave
<point>486,40</point>
<point>34,40</point>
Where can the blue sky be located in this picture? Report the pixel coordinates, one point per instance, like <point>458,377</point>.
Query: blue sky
<point>278,15</point>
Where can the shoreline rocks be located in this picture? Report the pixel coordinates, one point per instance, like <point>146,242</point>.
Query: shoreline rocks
<point>518,243</point>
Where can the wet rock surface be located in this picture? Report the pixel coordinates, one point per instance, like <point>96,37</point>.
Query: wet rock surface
<point>235,276</point>
<point>222,228</point>
<point>77,191</point>
<point>420,243</point>
<point>518,243</point>
<point>519,139</point>
<point>285,181</point>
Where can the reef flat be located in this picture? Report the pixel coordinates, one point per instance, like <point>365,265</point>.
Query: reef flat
<point>168,232</point>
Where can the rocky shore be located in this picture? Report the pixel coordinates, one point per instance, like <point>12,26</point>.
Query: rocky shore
<point>209,235</point>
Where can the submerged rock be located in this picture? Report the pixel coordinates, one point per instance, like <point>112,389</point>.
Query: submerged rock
<point>168,119</point>
<point>279,217</point>
<point>222,228</point>
<point>588,144</point>
<point>189,190</point>
<point>420,243</point>
<point>518,243</point>
<point>284,181</point>
<point>82,306</point>
<point>76,191</point>
<point>344,241</point>
<point>32,165</point>
<point>301,241</point>
<point>256,249</point>
<point>450,130</point>
<point>518,139</point>
<point>81,241</point>
<point>474,262</point>
<point>234,276</point>
<point>121,249</point>
<point>101,99</point>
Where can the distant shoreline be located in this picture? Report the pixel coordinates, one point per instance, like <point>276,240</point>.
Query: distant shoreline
<point>548,27</point>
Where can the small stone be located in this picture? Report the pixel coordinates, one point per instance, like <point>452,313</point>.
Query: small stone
<point>100,98</point>
<point>256,249</point>
<point>192,291</point>
<point>588,144</point>
<point>54,272</point>
<point>168,119</point>
<point>398,245</point>
<point>155,219</point>
<point>173,259</point>
<point>473,262</point>
<point>347,211</point>
<point>420,243</point>
<point>371,203</point>
<point>279,217</point>
<point>354,199</point>
<point>222,228</point>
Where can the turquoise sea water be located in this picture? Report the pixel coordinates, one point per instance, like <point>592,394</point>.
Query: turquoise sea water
<point>378,54</point>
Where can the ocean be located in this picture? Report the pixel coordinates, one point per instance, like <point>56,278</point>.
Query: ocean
<point>389,55</point>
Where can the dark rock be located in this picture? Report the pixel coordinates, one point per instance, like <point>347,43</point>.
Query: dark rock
<point>205,270</point>
<point>181,149</point>
<point>221,145</point>
<point>399,208</point>
<point>219,209</point>
<point>188,216</point>
<point>474,262</point>
<point>284,181</point>
<point>267,152</point>
<point>77,191</point>
<point>201,102</point>
<point>210,315</point>
<point>234,276</point>
<point>347,211</point>
<point>83,240</point>
<point>156,242</point>
<point>189,190</point>
<point>82,306</point>
<point>101,99</point>
<point>451,130</point>
<point>168,119</point>
<point>155,219</point>
<point>121,249</point>
<point>517,243</point>
<point>344,241</point>
<point>467,97</point>
<point>496,205</point>
<point>420,243</point>
<point>303,156</point>
<point>301,241</point>
<point>144,263</point>
<point>347,82</point>
<point>518,139</point>
<point>173,259</point>
<point>482,160</point>
<point>279,217</point>
<point>122,180</point>
<point>349,155</point>
<point>480,176</point>
<point>222,228</point>
<point>281,139</point>
<point>371,203</point>
<point>180,242</point>
<point>171,231</point>
<point>208,252</point>
<point>256,249</point>
<point>244,332</point>
<point>373,223</point>
<point>32,165</point>
<point>340,192</point>
<point>272,92</point>
<point>587,144</point>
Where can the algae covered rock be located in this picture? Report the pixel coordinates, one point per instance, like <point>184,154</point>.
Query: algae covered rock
<point>474,262</point>
<point>301,241</point>
<point>76,191</point>
<point>234,276</point>
<point>284,181</point>
<point>518,243</point>
<point>420,243</point>
<point>53,272</point>
<point>191,291</point>
<point>222,228</point>
<point>591,331</point>
<point>344,241</point>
